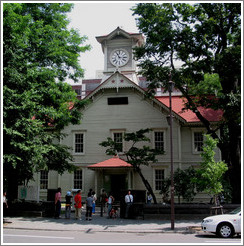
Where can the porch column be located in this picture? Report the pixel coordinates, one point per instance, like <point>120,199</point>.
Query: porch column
<point>129,179</point>
<point>96,175</point>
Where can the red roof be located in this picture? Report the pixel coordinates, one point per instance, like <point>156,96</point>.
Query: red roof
<point>178,103</point>
<point>111,163</point>
<point>91,81</point>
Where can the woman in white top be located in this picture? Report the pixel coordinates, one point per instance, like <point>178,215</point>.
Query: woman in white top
<point>5,204</point>
<point>94,196</point>
<point>110,202</point>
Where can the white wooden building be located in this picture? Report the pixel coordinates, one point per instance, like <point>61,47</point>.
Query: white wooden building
<point>119,105</point>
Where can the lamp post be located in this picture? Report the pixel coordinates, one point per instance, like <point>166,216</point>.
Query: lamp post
<point>170,122</point>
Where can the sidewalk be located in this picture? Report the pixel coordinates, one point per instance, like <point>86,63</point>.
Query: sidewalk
<point>102,224</point>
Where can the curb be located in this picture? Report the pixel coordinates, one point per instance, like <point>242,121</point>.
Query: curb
<point>23,223</point>
<point>186,230</point>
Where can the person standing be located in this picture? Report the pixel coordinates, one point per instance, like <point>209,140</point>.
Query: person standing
<point>5,204</point>
<point>128,202</point>
<point>89,202</point>
<point>110,203</point>
<point>149,198</point>
<point>68,202</point>
<point>78,205</point>
<point>90,192</point>
<point>104,198</point>
<point>58,203</point>
<point>94,197</point>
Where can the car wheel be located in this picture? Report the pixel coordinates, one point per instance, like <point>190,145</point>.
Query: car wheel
<point>225,230</point>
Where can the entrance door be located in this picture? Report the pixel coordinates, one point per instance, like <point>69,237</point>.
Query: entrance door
<point>118,185</point>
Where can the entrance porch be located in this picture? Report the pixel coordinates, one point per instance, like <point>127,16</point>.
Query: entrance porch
<point>113,175</point>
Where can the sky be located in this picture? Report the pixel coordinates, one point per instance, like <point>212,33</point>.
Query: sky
<point>96,19</point>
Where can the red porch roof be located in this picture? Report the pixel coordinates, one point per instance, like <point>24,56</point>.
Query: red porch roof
<point>188,115</point>
<point>114,162</point>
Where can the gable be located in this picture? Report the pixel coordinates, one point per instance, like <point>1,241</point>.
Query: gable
<point>119,81</point>
<point>119,37</point>
<point>121,34</point>
<point>117,84</point>
<point>125,109</point>
<point>116,81</point>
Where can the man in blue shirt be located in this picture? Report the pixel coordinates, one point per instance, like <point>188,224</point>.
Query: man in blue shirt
<point>89,201</point>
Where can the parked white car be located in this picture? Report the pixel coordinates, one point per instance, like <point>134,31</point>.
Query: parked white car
<point>224,225</point>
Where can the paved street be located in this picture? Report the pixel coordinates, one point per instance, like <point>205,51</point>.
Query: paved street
<point>71,237</point>
<point>102,230</point>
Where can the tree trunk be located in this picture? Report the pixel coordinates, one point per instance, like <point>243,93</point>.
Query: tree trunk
<point>235,162</point>
<point>179,199</point>
<point>11,184</point>
<point>216,204</point>
<point>147,185</point>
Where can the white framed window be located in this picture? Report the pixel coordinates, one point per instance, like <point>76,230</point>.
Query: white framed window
<point>118,138</point>
<point>78,179</point>
<point>197,140</point>
<point>43,180</point>
<point>158,179</point>
<point>78,143</point>
<point>159,139</point>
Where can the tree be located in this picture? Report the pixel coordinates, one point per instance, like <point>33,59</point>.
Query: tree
<point>39,54</point>
<point>165,190</point>
<point>211,172</point>
<point>136,156</point>
<point>193,41</point>
<point>184,185</point>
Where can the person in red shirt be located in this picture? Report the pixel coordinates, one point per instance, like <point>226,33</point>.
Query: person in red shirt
<point>78,205</point>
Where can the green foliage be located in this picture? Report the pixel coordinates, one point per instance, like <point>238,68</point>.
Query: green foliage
<point>211,172</point>
<point>137,154</point>
<point>227,191</point>
<point>39,54</point>
<point>200,44</point>
<point>137,136</point>
<point>210,85</point>
<point>184,185</point>
<point>201,38</point>
<point>112,146</point>
<point>165,190</point>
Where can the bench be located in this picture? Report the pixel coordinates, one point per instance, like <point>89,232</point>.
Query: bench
<point>220,208</point>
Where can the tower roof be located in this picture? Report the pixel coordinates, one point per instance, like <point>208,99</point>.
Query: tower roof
<point>137,37</point>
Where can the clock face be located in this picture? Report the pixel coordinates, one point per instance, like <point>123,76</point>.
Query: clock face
<point>119,57</point>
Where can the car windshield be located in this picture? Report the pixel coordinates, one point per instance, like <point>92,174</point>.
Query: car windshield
<point>236,211</point>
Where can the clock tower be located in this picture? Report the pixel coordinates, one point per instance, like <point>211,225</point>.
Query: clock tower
<point>117,48</point>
